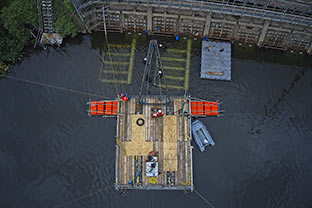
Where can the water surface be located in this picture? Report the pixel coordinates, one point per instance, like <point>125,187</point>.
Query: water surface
<point>51,152</point>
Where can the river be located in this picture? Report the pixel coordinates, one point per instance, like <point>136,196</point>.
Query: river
<point>51,152</point>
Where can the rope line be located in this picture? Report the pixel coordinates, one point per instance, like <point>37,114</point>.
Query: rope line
<point>203,198</point>
<point>55,87</point>
<point>83,197</point>
<point>113,65</point>
<point>163,76</point>
<point>109,52</point>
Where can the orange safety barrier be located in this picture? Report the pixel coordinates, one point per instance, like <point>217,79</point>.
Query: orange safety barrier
<point>205,108</point>
<point>109,108</point>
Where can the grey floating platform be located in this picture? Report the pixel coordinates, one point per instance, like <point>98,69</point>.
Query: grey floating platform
<point>216,60</point>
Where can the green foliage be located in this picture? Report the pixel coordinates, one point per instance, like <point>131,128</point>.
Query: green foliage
<point>17,18</point>
<point>3,68</point>
<point>64,22</point>
<point>66,26</point>
<point>10,47</point>
<point>69,5</point>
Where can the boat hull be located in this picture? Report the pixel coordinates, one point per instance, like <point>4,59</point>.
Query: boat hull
<point>201,135</point>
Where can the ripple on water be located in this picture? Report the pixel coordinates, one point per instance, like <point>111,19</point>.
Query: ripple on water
<point>58,153</point>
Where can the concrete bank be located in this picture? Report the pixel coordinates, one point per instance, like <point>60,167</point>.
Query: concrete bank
<point>264,26</point>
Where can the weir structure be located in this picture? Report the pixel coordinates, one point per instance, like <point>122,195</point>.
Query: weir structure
<point>153,134</point>
<point>278,24</point>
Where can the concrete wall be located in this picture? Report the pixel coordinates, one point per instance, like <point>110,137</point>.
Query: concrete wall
<point>270,29</point>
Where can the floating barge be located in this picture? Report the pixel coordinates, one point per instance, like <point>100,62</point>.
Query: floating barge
<point>154,153</point>
<point>216,60</point>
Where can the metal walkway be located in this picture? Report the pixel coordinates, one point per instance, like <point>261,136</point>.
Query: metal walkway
<point>239,8</point>
<point>46,33</point>
<point>47,16</point>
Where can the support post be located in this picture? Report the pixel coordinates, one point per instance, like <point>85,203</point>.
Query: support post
<point>178,25</point>
<point>310,49</point>
<point>104,22</point>
<point>287,40</point>
<point>234,34</point>
<point>149,19</point>
<point>207,25</point>
<point>122,22</point>
<point>75,4</point>
<point>263,33</point>
<point>135,21</point>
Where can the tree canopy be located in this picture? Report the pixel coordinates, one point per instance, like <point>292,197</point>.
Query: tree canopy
<point>64,22</point>
<point>17,18</point>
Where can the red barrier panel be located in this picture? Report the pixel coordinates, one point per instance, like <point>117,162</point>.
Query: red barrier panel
<point>200,108</point>
<point>108,108</point>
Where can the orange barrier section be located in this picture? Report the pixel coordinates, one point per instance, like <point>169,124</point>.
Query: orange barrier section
<point>204,108</point>
<point>109,108</point>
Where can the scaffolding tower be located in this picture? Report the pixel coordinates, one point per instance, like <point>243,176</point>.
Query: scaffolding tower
<point>149,75</point>
<point>46,32</point>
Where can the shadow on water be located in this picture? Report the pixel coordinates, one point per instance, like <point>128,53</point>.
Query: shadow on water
<point>301,63</point>
<point>270,110</point>
<point>68,41</point>
<point>270,56</point>
<point>98,41</point>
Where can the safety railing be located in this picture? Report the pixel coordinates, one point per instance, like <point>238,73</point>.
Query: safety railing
<point>214,7</point>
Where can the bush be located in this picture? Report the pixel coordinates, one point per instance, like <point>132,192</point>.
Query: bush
<point>64,22</point>
<point>17,19</point>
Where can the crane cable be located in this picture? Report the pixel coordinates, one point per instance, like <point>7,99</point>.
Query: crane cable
<point>83,196</point>
<point>53,86</point>
<point>146,67</point>
<point>160,68</point>
<point>110,186</point>
<point>204,199</point>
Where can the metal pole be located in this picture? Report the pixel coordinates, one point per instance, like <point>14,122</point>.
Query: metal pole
<point>104,22</point>
<point>145,68</point>
<point>77,10</point>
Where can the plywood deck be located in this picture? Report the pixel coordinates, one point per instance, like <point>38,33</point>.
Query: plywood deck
<point>138,144</point>
<point>170,143</point>
<point>167,136</point>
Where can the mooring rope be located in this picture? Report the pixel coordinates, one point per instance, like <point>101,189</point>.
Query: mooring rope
<point>55,87</point>
<point>204,199</point>
<point>83,196</point>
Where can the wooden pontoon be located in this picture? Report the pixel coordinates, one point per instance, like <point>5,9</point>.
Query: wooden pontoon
<point>154,153</point>
<point>167,137</point>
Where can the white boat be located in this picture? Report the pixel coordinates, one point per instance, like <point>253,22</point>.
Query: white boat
<point>201,135</point>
